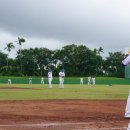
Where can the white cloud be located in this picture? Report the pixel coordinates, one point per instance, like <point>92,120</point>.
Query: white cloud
<point>55,23</point>
<point>51,44</point>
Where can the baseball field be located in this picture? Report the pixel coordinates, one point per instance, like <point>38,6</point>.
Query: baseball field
<point>76,107</point>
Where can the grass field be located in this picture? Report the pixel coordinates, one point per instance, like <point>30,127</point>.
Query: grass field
<point>40,92</point>
<point>36,107</point>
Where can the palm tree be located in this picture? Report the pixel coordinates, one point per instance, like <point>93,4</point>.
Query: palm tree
<point>9,47</point>
<point>100,50</point>
<point>19,42</point>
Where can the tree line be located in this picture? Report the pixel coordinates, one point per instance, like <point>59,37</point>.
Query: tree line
<point>76,60</point>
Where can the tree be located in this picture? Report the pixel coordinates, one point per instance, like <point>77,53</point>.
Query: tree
<point>113,64</point>
<point>100,50</point>
<point>3,58</point>
<point>19,42</point>
<point>9,47</point>
<point>3,61</point>
<point>78,60</point>
<point>35,61</point>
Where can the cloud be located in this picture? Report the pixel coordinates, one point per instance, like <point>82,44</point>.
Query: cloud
<point>93,23</point>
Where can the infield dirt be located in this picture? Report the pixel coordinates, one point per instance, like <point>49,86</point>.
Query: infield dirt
<point>63,115</point>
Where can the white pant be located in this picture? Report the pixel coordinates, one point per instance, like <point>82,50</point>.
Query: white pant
<point>127,110</point>
<point>81,82</point>
<point>9,81</point>
<point>128,127</point>
<point>89,82</point>
<point>49,81</point>
<point>30,81</point>
<point>61,82</point>
<point>42,81</point>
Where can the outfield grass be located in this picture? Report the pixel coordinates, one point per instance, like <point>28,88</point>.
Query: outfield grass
<point>40,92</point>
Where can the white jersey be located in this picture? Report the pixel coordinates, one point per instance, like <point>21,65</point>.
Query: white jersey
<point>81,80</point>
<point>126,61</point>
<point>50,79</point>
<point>62,74</point>
<point>50,74</point>
<point>61,78</point>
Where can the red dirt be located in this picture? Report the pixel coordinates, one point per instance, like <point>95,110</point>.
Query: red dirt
<point>14,88</point>
<point>63,115</point>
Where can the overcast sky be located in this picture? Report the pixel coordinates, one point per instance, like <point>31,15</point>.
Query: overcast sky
<point>55,23</point>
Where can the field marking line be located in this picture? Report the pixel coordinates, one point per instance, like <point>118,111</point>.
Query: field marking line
<point>60,124</point>
<point>119,128</point>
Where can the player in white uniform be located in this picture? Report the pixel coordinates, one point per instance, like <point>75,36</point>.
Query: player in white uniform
<point>42,80</point>
<point>9,81</point>
<point>30,80</point>
<point>89,80</point>
<point>81,80</point>
<point>61,78</point>
<point>126,60</point>
<point>93,80</point>
<point>50,78</point>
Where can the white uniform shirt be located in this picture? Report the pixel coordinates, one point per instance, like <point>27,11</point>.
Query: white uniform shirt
<point>126,61</point>
<point>62,74</point>
<point>81,80</point>
<point>42,80</point>
<point>50,74</point>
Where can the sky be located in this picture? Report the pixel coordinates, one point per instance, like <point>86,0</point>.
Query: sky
<point>56,23</point>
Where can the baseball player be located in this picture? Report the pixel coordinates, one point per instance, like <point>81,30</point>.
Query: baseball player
<point>81,80</point>
<point>61,78</point>
<point>30,80</point>
<point>9,81</point>
<point>42,80</point>
<point>89,80</point>
<point>126,60</point>
<point>93,80</point>
<point>50,78</point>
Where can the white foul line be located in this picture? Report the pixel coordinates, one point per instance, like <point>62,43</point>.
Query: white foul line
<point>60,124</point>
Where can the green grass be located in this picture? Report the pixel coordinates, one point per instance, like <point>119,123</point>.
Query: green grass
<point>42,92</point>
<point>68,80</point>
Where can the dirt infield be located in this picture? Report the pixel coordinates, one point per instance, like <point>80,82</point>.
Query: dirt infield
<point>63,115</point>
<point>13,88</point>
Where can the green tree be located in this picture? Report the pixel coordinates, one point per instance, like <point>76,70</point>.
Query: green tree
<point>113,64</point>
<point>78,60</point>
<point>19,42</point>
<point>3,62</point>
<point>9,47</point>
<point>35,61</point>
